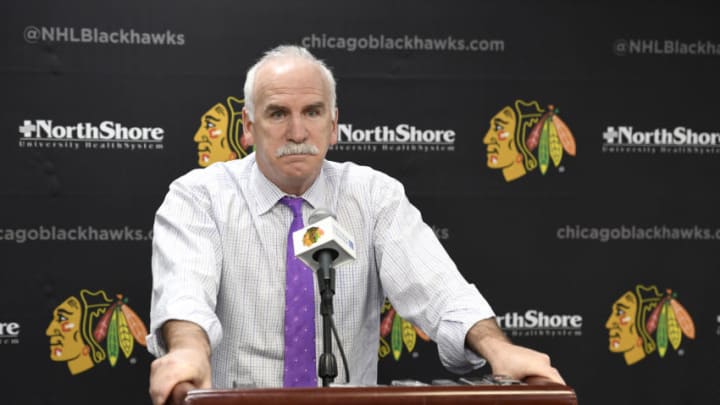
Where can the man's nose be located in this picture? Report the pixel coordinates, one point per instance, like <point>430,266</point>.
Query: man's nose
<point>297,131</point>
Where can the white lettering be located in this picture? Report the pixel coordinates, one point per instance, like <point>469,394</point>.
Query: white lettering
<point>107,131</point>
<point>402,133</point>
<point>662,137</point>
<point>9,329</point>
<point>534,319</point>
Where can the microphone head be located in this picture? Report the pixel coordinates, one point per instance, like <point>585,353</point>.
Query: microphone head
<point>323,232</point>
<point>319,214</point>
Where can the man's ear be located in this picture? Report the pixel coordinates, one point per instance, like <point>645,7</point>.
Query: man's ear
<point>334,134</point>
<point>247,128</point>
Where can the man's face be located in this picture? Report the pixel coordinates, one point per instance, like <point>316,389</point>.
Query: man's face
<point>622,333</point>
<point>292,114</point>
<point>211,137</point>
<point>501,149</point>
<point>64,331</point>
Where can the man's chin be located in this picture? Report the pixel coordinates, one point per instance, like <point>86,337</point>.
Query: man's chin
<point>300,166</point>
<point>302,162</point>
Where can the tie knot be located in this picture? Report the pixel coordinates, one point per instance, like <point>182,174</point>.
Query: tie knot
<point>295,204</point>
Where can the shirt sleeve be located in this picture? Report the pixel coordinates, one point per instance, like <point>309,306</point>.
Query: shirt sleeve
<point>422,282</point>
<point>186,262</point>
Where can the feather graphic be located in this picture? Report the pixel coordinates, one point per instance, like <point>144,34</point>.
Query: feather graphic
<point>386,323</point>
<point>125,338</point>
<point>534,135</point>
<point>661,337</point>
<point>113,347</point>
<point>408,335</point>
<point>683,318</point>
<point>652,321</point>
<point>101,328</point>
<point>556,149</point>
<point>566,137</point>
<point>543,147</point>
<point>674,332</point>
<point>135,324</point>
<point>396,342</point>
<point>422,335</point>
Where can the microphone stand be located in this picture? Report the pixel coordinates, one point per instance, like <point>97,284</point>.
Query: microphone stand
<point>327,368</point>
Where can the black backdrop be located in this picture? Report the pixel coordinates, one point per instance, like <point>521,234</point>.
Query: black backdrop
<point>619,214</point>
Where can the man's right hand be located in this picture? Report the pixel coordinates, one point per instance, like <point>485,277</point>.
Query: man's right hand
<point>187,361</point>
<point>487,340</point>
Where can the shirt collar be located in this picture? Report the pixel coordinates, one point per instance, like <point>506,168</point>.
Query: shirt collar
<point>268,194</point>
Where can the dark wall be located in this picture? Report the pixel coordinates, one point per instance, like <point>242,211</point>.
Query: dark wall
<point>632,208</point>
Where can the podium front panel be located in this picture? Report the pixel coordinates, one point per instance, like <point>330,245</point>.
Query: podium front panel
<point>554,394</point>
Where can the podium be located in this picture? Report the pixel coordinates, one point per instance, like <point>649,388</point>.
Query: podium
<point>543,393</point>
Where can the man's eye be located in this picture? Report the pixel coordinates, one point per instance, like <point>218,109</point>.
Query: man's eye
<point>209,124</point>
<point>313,113</point>
<point>498,128</point>
<point>277,114</point>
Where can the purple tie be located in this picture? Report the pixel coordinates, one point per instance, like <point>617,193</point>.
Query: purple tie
<point>300,366</point>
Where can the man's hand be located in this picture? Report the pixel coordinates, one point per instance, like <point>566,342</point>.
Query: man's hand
<point>487,340</point>
<point>187,360</point>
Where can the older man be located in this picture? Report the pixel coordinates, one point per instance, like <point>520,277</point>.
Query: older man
<point>219,315</point>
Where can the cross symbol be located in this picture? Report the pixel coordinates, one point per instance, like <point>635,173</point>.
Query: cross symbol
<point>27,129</point>
<point>610,135</point>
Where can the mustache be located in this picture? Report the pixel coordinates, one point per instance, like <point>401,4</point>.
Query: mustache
<point>292,148</point>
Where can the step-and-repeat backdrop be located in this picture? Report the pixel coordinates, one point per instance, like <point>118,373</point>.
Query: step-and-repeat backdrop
<point>563,153</point>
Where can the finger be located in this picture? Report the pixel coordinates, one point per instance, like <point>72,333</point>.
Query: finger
<point>158,385</point>
<point>179,392</point>
<point>161,384</point>
<point>557,377</point>
<point>159,395</point>
<point>549,378</point>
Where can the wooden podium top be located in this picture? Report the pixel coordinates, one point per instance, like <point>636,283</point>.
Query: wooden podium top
<point>534,394</point>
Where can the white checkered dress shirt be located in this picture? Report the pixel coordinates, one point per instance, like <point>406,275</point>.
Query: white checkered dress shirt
<point>219,261</point>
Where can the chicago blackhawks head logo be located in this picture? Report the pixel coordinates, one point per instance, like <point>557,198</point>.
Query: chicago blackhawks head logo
<point>220,135</point>
<point>637,314</point>
<point>81,325</point>
<point>516,132</point>
<point>312,235</point>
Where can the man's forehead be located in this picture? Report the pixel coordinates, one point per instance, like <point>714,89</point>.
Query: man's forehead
<point>291,97</point>
<point>290,76</point>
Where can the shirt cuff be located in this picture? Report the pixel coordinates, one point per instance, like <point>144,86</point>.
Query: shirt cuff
<point>208,322</point>
<point>156,344</point>
<point>452,332</point>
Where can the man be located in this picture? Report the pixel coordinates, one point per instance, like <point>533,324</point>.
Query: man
<point>219,268</point>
